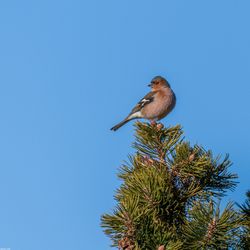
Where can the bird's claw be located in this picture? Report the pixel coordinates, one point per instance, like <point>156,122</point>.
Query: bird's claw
<point>153,123</point>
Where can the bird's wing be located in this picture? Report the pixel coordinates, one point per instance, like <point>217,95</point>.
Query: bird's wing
<point>143,102</point>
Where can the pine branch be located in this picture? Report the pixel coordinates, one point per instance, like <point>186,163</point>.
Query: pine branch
<point>196,170</point>
<point>208,229</point>
<point>245,222</point>
<point>156,140</point>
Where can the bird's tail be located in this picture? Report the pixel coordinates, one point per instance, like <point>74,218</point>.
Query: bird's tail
<point>117,126</point>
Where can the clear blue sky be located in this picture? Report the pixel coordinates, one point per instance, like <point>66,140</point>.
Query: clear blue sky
<point>72,69</point>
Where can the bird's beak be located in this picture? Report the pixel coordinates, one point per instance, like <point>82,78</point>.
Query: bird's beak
<point>150,85</point>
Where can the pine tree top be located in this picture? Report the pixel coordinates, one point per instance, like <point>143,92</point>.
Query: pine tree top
<point>167,198</point>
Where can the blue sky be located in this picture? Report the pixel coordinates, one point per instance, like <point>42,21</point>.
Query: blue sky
<point>72,69</point>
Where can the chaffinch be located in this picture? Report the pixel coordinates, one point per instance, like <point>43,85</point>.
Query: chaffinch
<point>153,106</point>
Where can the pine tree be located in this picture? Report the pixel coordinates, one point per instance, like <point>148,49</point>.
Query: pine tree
<point>169,197</point>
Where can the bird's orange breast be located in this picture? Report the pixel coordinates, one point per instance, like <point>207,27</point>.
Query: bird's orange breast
<point>163,103</point>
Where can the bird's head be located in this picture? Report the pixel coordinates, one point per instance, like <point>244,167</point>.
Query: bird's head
<point>159,82</point>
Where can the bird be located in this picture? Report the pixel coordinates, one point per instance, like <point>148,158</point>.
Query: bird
<point>154,106</point>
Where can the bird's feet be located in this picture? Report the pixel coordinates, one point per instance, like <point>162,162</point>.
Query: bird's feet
<point>153,123</point>
<point>159,125</point>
